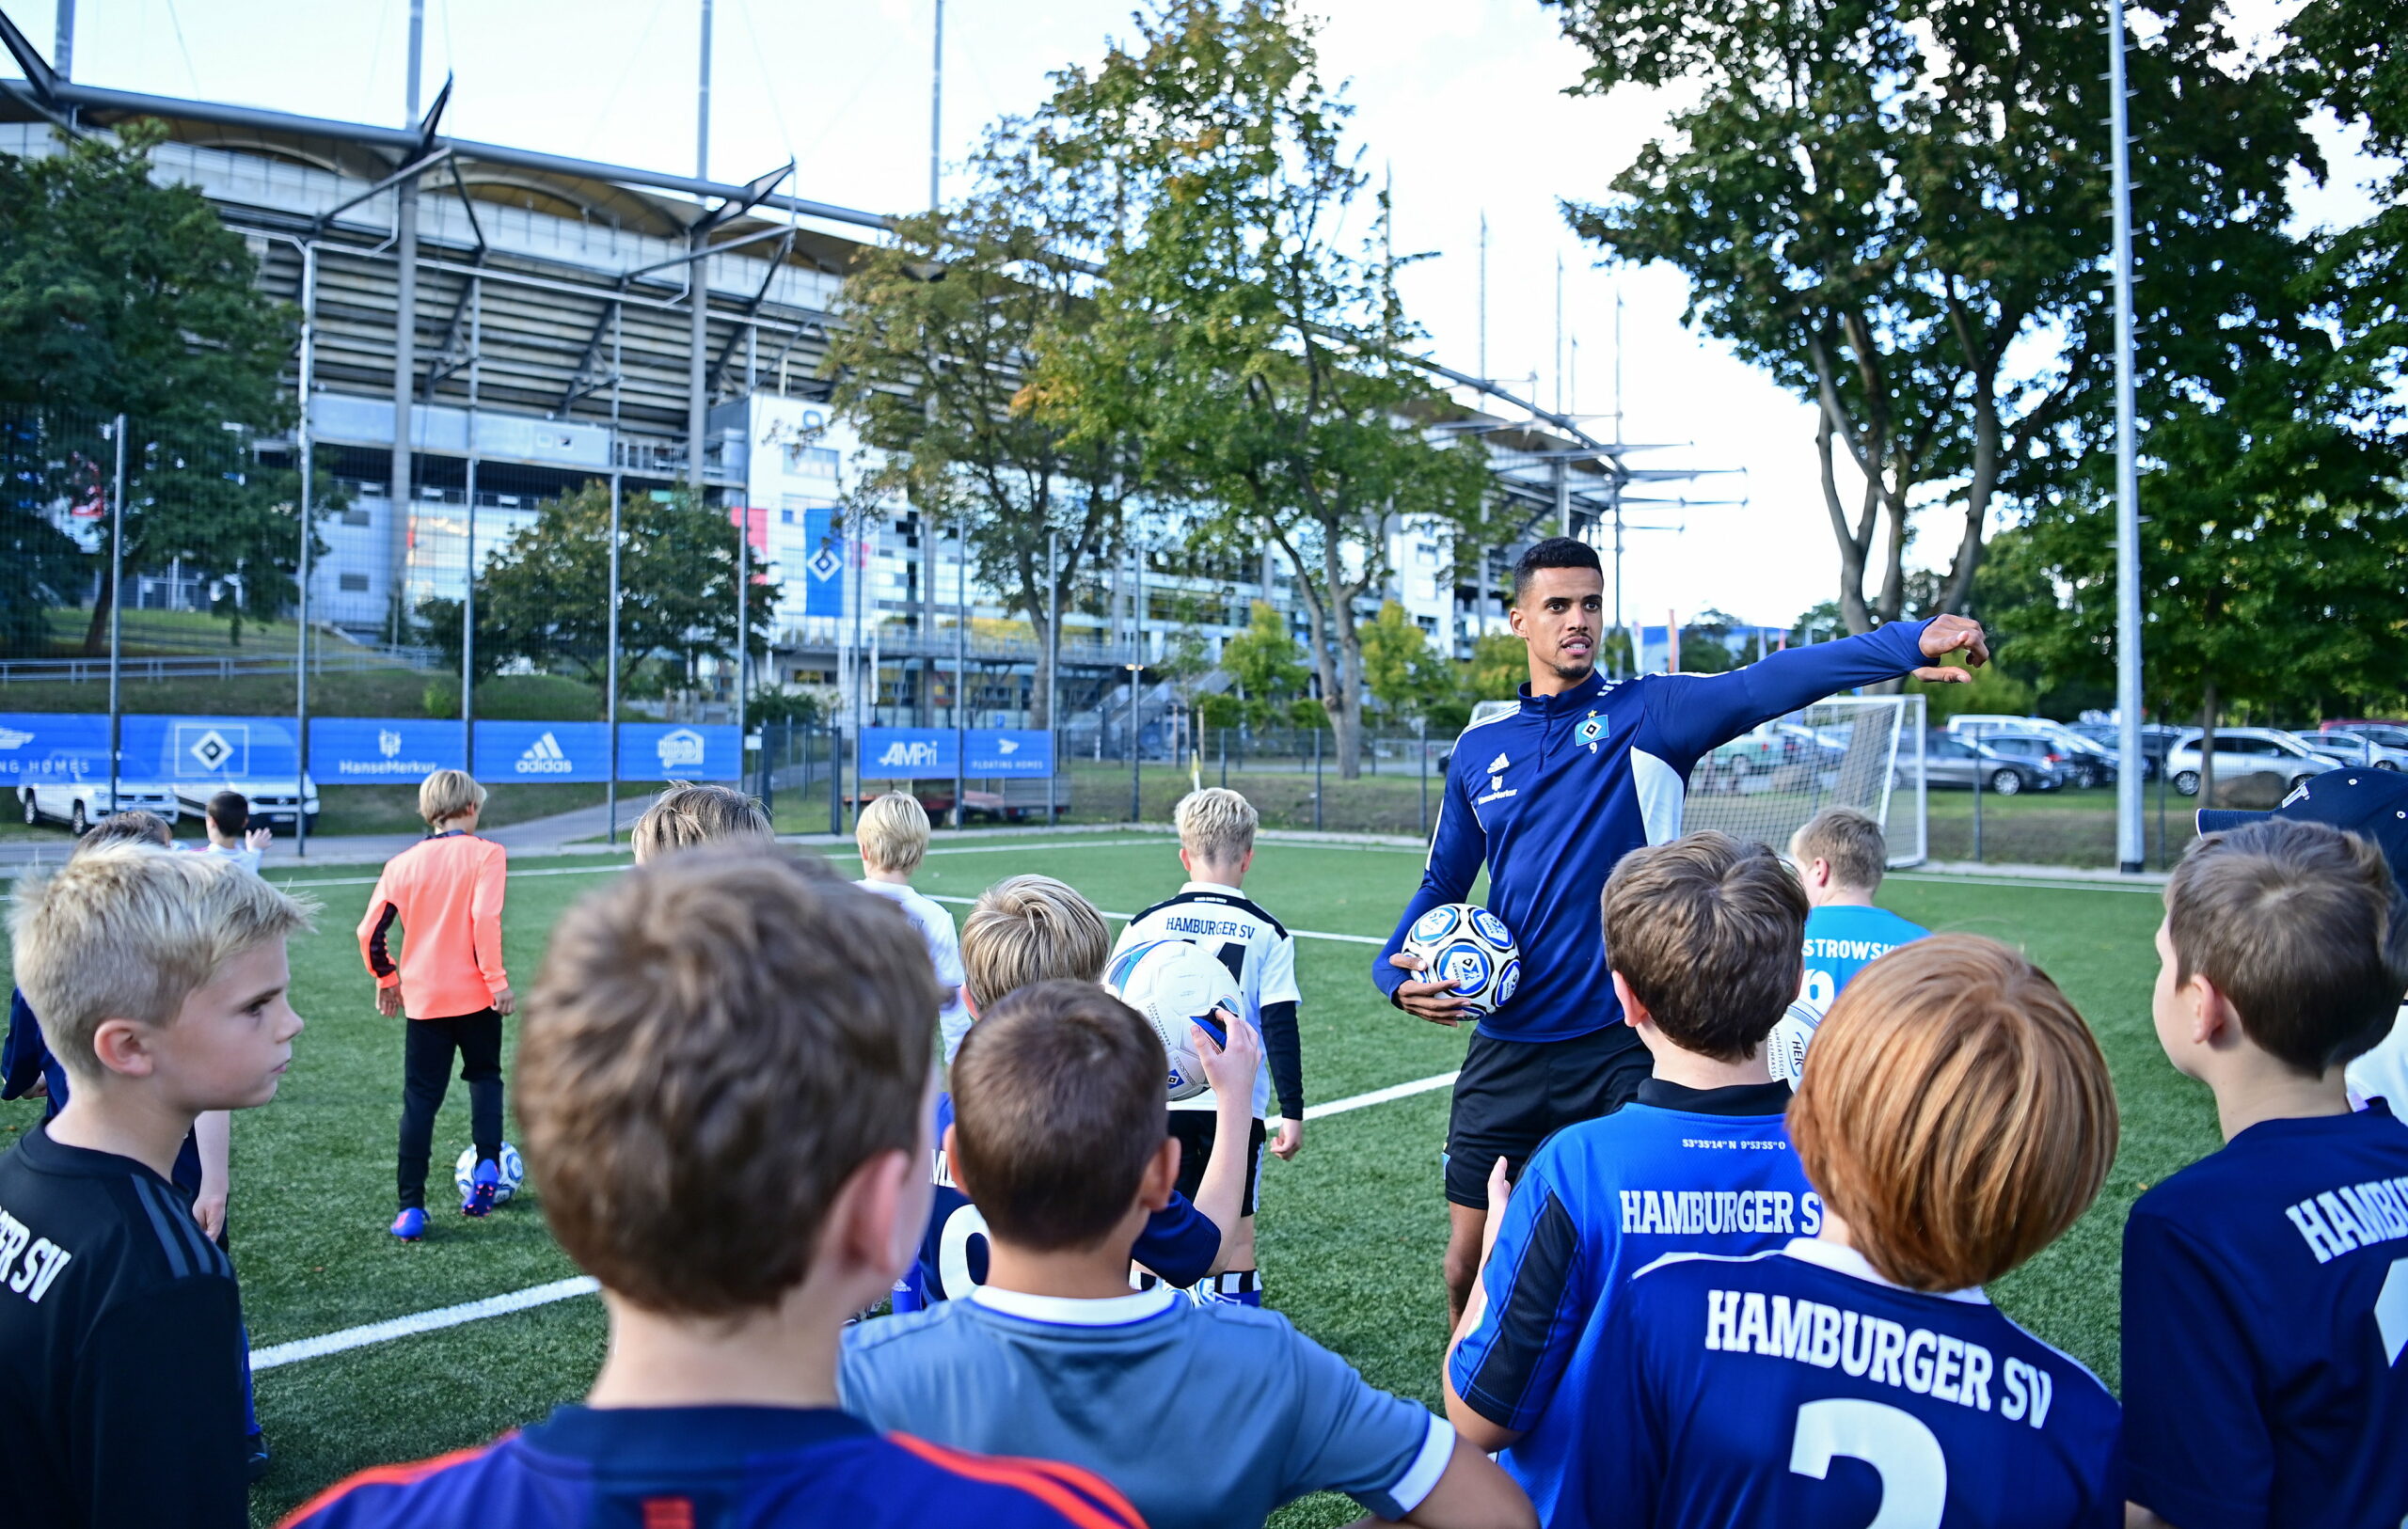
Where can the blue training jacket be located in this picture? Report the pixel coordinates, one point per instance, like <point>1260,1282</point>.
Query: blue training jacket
<point>1552,795</point>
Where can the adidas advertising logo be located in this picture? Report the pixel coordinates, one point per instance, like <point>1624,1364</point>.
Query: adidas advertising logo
<point>545,757</point>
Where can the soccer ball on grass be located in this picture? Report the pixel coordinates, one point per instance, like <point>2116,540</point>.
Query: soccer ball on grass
<point>513,1172</point>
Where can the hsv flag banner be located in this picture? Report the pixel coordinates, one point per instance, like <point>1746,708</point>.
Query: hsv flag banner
<point>823,563</point>
<point>196,749</point>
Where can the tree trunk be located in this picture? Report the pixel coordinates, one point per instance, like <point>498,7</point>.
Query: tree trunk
<point>1852,606</point>
<point>2208,745</point>
<point>1958,592</point>
<point>95,635</point>
<point>1040,699</point>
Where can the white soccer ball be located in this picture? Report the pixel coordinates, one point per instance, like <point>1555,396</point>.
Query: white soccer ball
<point>1175,985</point>
<point>513,1172</point>
<point>1786,1048</point>
<point>1469,948</point>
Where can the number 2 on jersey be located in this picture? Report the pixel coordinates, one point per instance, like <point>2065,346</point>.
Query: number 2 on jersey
<point>1905,1455</point>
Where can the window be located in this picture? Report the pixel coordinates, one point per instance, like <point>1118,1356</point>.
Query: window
<point>353,583</point>
<point>354,517</point>
<point>812,461</point>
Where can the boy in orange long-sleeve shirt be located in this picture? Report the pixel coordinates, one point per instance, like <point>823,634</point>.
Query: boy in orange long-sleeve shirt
<point>446,894</point>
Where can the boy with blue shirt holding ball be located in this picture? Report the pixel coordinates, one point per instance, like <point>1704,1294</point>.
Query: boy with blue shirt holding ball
<point>1840,856</point>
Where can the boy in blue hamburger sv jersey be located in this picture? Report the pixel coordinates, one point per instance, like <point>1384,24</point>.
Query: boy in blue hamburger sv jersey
<point>724,1081</point>
<point>1957,1119</point>
<point>1840,856</point>
<point>2266,1286</point>
<point>1704,934</point>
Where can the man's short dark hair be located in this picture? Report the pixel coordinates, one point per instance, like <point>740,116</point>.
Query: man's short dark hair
<point>230,813</point>
<point>1555,552</point>
<point>1707,931</point>
<point>2302,927</point>
<point>1058,1104</point>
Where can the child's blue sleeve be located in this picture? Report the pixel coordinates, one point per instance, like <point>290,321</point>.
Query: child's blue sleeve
<point>2196,1450</point>
<point>1178,1243</point>
<point>1538,1281</point>
<point>22,1054</point>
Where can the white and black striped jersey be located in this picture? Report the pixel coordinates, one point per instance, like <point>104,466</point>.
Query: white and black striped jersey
<point>1262,955</point>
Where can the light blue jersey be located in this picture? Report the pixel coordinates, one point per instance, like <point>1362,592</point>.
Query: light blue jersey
<point>1205,1416</point>
<point>1841,942</point>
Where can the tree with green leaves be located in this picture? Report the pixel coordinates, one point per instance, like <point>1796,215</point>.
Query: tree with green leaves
<point>941,324</point>
<point>1262,358</point>
<point>1264,662</point>
<point>544,596</point>
<point>1900,209</point>
<point>122,294</point>
<point>1402,671</point>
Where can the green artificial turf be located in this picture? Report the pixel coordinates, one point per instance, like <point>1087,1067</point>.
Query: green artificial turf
<point>1351,1232</point>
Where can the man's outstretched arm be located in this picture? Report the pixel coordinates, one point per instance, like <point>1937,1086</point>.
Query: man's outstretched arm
<point>1695,713</point>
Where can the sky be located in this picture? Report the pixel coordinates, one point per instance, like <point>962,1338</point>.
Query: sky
<point>1461,101</point>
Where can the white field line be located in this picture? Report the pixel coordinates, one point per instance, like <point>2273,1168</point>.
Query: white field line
<point>1950,878</point>
<point>597,870</point>
<point>277,1355</point>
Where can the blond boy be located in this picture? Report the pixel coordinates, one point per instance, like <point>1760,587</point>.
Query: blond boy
<point>1216,829</point>
<point>1026,930</point>
<point>724,1079</point>
<point>686,816</point>
<point>893,836</point>
<point>1840,856</point>
<point>446,894</point>
<point>161,981</point>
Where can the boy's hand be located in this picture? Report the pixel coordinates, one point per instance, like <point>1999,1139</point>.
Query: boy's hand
<point>1437,1001</point>
<point>259,838</point>
<point>1500,1188</point>
<point>505,1001</point>
<point>1289,1142</point>
<point>208,1210</point>
<point>1229,1069</point>
<point>388,1000</point>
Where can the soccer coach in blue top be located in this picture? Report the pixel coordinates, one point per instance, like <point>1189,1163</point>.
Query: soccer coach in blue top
<point>1551,795</point>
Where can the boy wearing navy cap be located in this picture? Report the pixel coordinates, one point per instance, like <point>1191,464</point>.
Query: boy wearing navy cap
<point>2266,1286</point>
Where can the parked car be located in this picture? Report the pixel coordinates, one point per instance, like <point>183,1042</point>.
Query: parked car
<point>2391,736</point>
<point>2082,767</point>
<point>1754,752</point>
<point>2244,750</point>
<point>2156,738</point>
<point>1950,761</point>
<point>79,803</point>
<point>271,799</point>
<point>2357,745</point>
<point>2086,763</point>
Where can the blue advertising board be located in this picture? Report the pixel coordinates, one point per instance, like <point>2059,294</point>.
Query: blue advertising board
<point>1005,751</point>
<point>532,751</point>
<point>351,750</point>
<point>680,751</point>
<point>50,746</point>
<point>899,753</point>
<point>199,751</point>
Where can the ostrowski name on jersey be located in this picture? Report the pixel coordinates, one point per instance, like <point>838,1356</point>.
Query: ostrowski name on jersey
<point>1878,1350</point>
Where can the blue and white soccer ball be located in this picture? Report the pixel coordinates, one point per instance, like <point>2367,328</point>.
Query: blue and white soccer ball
<point>513,1172</point>
<point>1469,948</point>
<point>1175,985</point>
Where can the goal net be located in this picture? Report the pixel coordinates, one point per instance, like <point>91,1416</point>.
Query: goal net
<point>1860,751</point>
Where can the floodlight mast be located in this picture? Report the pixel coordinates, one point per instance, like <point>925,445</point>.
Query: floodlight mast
<point>2130,845</point>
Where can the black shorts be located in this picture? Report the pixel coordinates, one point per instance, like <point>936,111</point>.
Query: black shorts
<point>1194,1131</point>
<point>1514,1095</point>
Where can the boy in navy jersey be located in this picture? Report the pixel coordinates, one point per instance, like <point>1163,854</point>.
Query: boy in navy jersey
<point>160,979</point>
<point>724,1074</point>
<point>1216,829</point>
<point>1704,934</point>
<point>1032,929</point>
<point>1957,1119</point>
<point>2266,1286</point>
<point>1207,1414</point>
<point>1841,857</point>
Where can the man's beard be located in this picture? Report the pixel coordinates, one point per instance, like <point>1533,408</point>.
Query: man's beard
<point>1570,672</point>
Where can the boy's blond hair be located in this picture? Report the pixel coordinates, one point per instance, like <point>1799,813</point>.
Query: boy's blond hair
<point>1216,824</point>
<point>1958,1116</point>
<point>716,1041</point>
<point>1848,841</point>
<point>1030,929</point>
<point>447,794</point>
<point>129,931</point>
<point>131,827</point>
<point>893,832</point>
<point>685,815</point>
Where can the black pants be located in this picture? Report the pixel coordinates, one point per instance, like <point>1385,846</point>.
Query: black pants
<point>426,1075</point>
<point>1514,1095</point>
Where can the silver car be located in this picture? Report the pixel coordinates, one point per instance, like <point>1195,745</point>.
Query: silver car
<point>2245,750</point>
